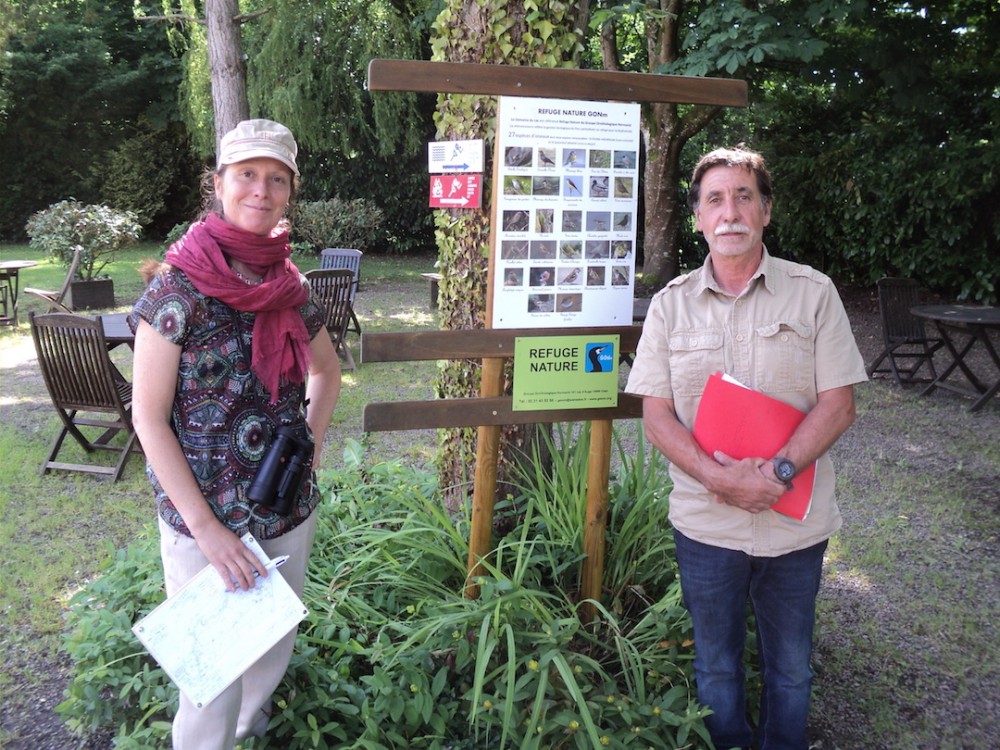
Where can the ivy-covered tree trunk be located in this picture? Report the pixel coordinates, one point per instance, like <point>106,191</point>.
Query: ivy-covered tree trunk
<point>486,32</point>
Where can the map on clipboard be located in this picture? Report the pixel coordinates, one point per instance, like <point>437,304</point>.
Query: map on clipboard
<point>204,637</point>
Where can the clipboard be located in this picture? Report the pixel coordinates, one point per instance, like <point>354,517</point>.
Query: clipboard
<point>205,637</point>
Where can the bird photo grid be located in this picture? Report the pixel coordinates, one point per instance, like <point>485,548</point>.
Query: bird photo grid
<point>566,213</point>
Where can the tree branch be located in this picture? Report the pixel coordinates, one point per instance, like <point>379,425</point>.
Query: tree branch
<point>244,17</point>
<point>173,18</point>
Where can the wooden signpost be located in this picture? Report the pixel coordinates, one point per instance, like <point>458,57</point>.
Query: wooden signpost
<point>492,409</point>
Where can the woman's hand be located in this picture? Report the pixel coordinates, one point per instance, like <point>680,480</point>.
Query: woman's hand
<point>233,560</point>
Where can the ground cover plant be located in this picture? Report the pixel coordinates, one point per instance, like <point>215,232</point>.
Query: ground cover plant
<point>394,655</point>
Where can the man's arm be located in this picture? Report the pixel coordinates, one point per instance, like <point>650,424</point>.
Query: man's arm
<point>824,424</point>
<point>740,483</point>
<point>750,483</point>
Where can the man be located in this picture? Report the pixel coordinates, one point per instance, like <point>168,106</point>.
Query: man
<point>778,327</point>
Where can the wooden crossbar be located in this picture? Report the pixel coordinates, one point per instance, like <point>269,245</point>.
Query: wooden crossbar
<point>482,411</point>
<point>480,343</point>
<point>560,83</point>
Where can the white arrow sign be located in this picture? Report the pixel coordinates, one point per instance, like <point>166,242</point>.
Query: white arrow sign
<point>445,157</point>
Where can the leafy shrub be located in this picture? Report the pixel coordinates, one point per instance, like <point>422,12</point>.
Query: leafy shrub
<point>115,681</point>
<point>393,655</point>
<point>99,232</point>
<point>176,232</point>
<point>335,223</point>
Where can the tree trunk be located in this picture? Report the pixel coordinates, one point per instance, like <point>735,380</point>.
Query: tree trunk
<point>495,32</point>
<point>228,69</point>
<point>665,132</point>
<point>664,213</point>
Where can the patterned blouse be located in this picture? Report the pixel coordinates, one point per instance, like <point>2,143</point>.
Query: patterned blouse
<point>216,414</point>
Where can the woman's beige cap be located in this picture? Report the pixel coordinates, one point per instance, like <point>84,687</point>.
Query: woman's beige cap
<point>253,139</point>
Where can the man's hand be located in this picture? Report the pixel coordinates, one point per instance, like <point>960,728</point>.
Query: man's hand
<point>749,484</point>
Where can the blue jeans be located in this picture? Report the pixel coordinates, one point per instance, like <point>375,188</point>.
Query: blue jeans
<point>782,590</point>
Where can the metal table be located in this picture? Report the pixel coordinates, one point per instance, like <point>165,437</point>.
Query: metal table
<point>975,322</point>
<point>10,280</point>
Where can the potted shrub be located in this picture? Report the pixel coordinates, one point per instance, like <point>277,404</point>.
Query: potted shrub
<point>99,232</point>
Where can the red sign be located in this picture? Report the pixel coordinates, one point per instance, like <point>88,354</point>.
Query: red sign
<point>456,191</point>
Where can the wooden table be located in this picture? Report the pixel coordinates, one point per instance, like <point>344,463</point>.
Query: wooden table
<point>10,279</point>
<point>640,306</point>
<point>975,322</point>
<point>116,330</point>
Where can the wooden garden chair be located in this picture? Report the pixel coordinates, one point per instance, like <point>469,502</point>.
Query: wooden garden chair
<point>86,389</point>
<point>343,257</point>
<point>55,298</point>
<point>333,287</point>
<point>907,346</point>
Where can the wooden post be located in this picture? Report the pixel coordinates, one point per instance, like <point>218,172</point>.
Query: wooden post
<point>596,521</point>
<point>485,488</point>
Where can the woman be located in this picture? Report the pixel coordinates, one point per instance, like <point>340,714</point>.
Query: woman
<point>229,348</point>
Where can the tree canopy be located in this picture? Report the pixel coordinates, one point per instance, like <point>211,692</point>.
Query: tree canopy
<point>878,117</point>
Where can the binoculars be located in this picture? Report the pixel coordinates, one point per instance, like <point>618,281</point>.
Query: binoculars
<point>285,466</point>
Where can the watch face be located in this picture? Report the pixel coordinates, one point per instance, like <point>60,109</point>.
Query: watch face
<point>784,470</point>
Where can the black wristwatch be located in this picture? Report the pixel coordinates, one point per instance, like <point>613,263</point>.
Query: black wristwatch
<point>784,470</point>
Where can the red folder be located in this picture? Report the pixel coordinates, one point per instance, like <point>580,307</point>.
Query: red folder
<point>744,423</point>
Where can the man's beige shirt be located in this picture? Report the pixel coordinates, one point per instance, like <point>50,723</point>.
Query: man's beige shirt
<point>787,335</point>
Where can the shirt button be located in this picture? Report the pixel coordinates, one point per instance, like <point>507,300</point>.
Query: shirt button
<point>784,337</point>
<point>739,337</point>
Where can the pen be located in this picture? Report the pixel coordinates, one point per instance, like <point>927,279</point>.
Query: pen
<point>275,562</point>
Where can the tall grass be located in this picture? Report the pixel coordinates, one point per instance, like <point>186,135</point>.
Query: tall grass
<point>393,654</point>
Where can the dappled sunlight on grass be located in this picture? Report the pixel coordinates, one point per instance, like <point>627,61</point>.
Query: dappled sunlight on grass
<point>17,351</point>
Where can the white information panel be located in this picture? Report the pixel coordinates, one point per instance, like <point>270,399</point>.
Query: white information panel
<point>568,180</point>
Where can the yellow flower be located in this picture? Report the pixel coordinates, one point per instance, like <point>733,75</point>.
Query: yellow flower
<point>414,689</point>
<point>533,665</point>
<point>656,710</point>
<point>605,740</point>
<point>487,704</point>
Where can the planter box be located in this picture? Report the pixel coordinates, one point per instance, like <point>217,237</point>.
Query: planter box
<point>95,294</point>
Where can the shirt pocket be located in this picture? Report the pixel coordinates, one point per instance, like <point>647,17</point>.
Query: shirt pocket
<point>694,355</point>
<point>784,357</point>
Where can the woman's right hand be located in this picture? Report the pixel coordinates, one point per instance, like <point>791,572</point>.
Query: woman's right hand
<point>234,561</point>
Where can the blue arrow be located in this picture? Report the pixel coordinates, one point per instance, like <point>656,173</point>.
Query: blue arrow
<point>454,166</point>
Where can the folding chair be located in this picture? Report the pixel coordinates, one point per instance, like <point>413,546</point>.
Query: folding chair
<point>333,287</point>
<point>55,299</point>
<point>907,346</point>
<point>342,257</point>
<point>82,380</point>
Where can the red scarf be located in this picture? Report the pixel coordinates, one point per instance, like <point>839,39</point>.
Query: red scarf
<point>280,339</point>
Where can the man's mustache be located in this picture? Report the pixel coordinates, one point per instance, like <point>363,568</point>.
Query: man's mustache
<point>732,229</point>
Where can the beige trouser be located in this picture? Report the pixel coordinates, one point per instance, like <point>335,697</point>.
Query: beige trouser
<point>243,709</point>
